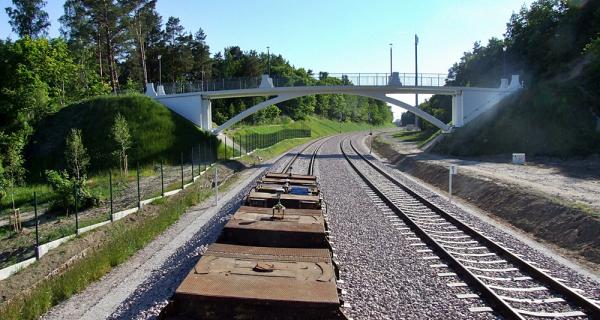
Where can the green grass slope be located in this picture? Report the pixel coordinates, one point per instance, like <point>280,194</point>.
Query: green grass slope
<point>157,132</point>
<point>537,121</point>
<point>319,127</point>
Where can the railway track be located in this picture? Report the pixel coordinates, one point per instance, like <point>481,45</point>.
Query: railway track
<point>510,286</point>
<point>288,167</point>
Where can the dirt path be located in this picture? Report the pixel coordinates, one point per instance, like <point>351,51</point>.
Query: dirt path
<point>570,180</point>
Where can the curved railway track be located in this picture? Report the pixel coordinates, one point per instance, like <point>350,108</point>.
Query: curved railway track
<point>309,170</point>
<point>511,286</point>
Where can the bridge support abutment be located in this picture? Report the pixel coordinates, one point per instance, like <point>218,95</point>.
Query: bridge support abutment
<point>206,114</point>
<point>457,110</point>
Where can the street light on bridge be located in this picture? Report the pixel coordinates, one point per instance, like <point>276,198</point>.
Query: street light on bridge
<point>416,81</point>
<point>159,70</point>
<point>269,60</point>
<point>390,61</point>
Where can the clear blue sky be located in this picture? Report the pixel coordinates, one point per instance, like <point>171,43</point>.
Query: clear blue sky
<point>336,35</point>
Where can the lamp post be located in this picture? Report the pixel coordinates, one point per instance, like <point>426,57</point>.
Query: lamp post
<point>416,80</point>
<point>504,62</point>
<point>269,60</point>
<point>159,70</point>
<point>390,61</point>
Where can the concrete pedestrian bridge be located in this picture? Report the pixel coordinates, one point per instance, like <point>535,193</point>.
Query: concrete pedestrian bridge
<point>193,100</point>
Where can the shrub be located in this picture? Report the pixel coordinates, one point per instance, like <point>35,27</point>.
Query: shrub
<point>65,187</point>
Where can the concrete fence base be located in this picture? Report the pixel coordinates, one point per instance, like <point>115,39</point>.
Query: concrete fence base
<point>9,271</point>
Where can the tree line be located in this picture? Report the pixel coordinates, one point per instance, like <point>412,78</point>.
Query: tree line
<point>114,46</point>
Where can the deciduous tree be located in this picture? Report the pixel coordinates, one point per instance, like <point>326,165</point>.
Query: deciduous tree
<point>76,155</point>
<point>122,137</point>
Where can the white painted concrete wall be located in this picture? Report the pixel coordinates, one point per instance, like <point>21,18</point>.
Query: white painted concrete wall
<point>188,105</point>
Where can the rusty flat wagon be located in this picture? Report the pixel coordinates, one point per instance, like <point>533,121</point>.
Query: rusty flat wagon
<point>296,182</point>
<point>271,261</point>
<point>247,282</point>
<point>294,228</point>
<point>290,176</point>
<point>287,188</point>
<point>265,199</point>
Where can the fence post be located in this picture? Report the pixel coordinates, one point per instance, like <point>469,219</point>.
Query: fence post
<point>110,194</point>
<point>199,158</point>
<point>182,170</point>
<point>204,157</point>
<point>76,213</point>
<point>139,193</point>
<point>37,226</point>
<point>193,164</point>
<point>233,145</point>
<point>216,186</point>
<point>211,150</point>
<point>240,145</point>
<point>162,180</point>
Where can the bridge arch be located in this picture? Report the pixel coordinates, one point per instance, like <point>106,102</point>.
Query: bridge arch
<point>289,96</point>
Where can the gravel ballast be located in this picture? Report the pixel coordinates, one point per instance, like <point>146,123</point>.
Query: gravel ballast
<point>572,277</point>
<point>384,276</point>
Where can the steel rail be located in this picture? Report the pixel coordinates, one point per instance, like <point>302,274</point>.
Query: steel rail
<point>313,158</point>
<point>593,310</point>
<point>288,165</point>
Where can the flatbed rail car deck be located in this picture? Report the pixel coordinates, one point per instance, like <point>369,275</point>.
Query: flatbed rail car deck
<point>265,199</point>
<point>292,228</point>
<point>278,175</point>
<point>282,181</point>
<point>289,188</point>
<point>247,282</point>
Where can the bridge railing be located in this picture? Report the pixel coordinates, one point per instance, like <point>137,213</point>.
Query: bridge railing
<point>323,79</point>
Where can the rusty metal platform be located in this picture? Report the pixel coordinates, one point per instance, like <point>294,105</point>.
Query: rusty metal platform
<point>290,176</point>
<point>310,212</point>
<point>265,199</point>
<point>245,282</point>
<point>259,227</point>
<point>274,188</point>
<point>282,181</point>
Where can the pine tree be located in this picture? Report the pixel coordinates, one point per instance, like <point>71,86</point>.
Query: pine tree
<point>141,20</point>
<point>28,18</point>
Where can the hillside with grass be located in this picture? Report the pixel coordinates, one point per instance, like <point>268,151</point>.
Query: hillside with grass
<point>156,133</point>
<point>537,121</point>
<point>318,126</point>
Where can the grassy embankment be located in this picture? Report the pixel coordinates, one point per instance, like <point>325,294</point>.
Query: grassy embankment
<point>543,120</point>
<point>157,135</point>
<point>319,128</point>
